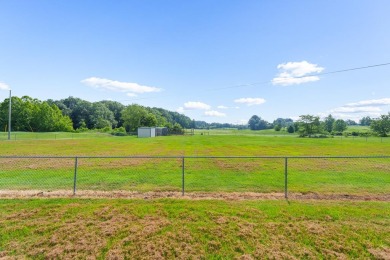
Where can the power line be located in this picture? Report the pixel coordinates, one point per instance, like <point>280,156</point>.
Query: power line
<point>345,70</point>
<point>268,81</point>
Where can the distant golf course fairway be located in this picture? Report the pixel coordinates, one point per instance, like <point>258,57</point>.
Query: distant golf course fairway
<point>209,228</point>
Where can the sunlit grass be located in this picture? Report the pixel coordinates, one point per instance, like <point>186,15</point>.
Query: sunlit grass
<point>352,176</point>
<point>76,228</point>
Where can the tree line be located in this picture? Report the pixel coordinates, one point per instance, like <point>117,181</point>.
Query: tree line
<point>75,114</point>
<point>310,125</point>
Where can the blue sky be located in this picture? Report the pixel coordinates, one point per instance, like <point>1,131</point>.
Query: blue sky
<point>217,61</point>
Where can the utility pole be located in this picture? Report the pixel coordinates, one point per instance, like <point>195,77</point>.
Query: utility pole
<point>9,117</point>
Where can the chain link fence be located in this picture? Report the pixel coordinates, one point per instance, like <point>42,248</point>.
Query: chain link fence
<point>324,175</point>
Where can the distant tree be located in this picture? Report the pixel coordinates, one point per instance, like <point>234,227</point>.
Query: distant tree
<point>100,116</point>
<point>176,129</point>
<point>339,126</point>
<point>33,115</point>
<point>283,122</point>
<point>328,123</point>
<point>132,116</point>
<point>160,119</point>
<point>296,126</point>
<point>148,120</point>
<point>350,122</point>
<point>381,126</point>
<point>277,128</point>
<point>116,108</point>
<point>309,124</point>
<point>365,121</point>
<point>256,123</point>
<point>290,129</point>
<point>78,110</point>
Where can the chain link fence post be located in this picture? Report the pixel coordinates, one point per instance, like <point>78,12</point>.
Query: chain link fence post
<point>75,175</point>
<point>182,177</point>
<point>285,177</point>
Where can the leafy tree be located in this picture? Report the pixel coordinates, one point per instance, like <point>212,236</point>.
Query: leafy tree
<point>283,122</point>
<point>149,120</point>
<point>350,122</point>
<point>100,116</point>
<point>381,126</point>
<point>290,129</point>
<point>328,123</point>
<point>30,114</point>
<point>176,129</point>
<point>366,121</point>
<point>132,116</point>
<point>78,110</point>
<point>173,117</point>
<point>309,124</point>
<point>339,125</point>
<point>160,119</point>
<point>256,123</point>
<point>278,128</point>
<point>116,108</point>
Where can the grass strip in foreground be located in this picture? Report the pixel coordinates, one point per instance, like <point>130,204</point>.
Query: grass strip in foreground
<point>175,228</point>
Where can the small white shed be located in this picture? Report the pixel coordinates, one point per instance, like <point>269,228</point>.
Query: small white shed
<point>146,132</point>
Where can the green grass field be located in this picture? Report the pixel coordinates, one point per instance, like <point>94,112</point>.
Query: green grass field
<point>203,229</point>
<point>348,176</point>
<point>48,228</point>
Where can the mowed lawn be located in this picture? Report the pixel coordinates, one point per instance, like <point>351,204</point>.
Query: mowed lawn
<point>75,228</point>
<point>218,145</point>
<point>349,176</point>
<point>200,229</point>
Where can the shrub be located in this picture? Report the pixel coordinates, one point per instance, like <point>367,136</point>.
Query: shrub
<point>120,131</point>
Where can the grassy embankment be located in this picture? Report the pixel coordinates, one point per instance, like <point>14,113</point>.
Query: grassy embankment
<point>135,229</point>
<point>352,176</point>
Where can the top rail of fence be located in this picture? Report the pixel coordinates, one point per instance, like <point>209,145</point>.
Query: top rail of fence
<point>196,157</point>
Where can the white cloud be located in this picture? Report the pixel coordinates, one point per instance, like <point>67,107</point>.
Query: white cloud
<point>357,110</point>
<point>225,107</point>
<point>286,81</point>
<point>180,110</point>
<point>250,101</point>
<point>131,94</point>
<point>118,86</point>
<point>345,109</point>
<point>296,73</point>
<point>214,113</point>
<point>4,86</point>
<point>242,122</point>
<point>222,107</point>
<point>191,105</point>
<point>372,102</point>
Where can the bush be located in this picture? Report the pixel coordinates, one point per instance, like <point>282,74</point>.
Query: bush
<point>81,130</point>
<point>120,131</point>
<point>290,129</point>
<point>176,129</point>
<point>365,134</point>
<point>105,129</point>
<point>346,134</point>
<point>354,133</point>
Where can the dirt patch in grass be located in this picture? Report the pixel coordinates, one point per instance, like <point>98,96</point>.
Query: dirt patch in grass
<point>173,229</point>
<point>380,253</point>
<point>190,195</point>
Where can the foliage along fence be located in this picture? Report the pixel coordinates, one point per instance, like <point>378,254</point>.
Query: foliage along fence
<point>323,175</point>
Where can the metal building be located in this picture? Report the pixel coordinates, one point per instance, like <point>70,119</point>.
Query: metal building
<point>146,132</point>
<point>161,131</point>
